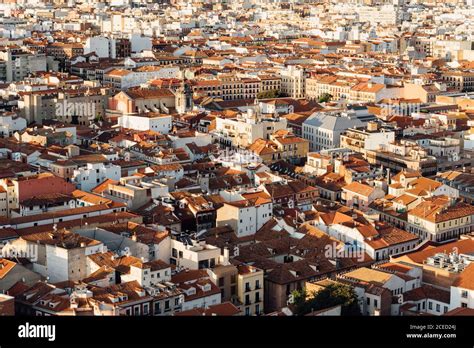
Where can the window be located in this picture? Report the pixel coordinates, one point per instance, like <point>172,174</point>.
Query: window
<point>430,305</point>
<point>368,301</point>
<point>157,308</point>
<point>136,310</point>
<point>146,308</point>
<point>464,294</point>
<point>438,308</point>
<point>167,305</point>
<point>375,303</point>
<point>221,281</point>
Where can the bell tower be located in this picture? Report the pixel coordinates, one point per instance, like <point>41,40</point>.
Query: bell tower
<point>183,98</point>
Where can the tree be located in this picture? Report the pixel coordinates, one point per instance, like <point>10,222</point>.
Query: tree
<point>268,94</point>
<point>330,296</point>
<point>324,98</point>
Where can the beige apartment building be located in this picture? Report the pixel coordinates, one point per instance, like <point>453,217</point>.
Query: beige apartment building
<point>338,88</point>
<point>243,130</point>
<point>403,156</point>
<point>293,82</point>
<point>463,81</point>
<point>441,218</point>
<point>250,289</point>
<point>233,87</point>
<point>70,106</point>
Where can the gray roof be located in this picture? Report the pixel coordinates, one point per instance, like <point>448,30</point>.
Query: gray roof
<point>332,122</point>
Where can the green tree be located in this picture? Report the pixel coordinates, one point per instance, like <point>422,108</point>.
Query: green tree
<point>324,98</point>
<point>330,296</point>
<point>274,93</point>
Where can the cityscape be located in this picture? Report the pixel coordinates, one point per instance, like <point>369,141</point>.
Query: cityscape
<point>208,158</point>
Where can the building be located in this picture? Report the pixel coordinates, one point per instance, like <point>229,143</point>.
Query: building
<point>440,218</point>
<point>245,216</point>
<point>124,79</point>
<point>12,272</point>
<point>7,305</point>
<point>243,130</point>
<point>140,101</point>
<point>398,156</point>
<point>28,187</point>
<point>61,255</point>
<point>282,145</point>
<point>20,63</point>
<point>11,123</point>
<point>460,181</point>
<point>250,289</point>
<point>198,289</point>
<point>293,82</point>
<point>360,196</point>
<point>462,290</point>
<point>147,122</point>
<point>191,254</point>
<point>88,177</point>
<point>370,138</point>
<point>323,130</point>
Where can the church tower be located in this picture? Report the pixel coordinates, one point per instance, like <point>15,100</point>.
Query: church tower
<point>183,98</point>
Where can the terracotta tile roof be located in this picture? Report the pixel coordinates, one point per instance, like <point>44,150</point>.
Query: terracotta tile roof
<point>144,93</point>
<point>360,189</point>
<point>465,246</point>
<point>222,309</point>
<point>466,278</point>
<point>5,267</point>
<point>438,209</point>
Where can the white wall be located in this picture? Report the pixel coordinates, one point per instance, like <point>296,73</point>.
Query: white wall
<point>457,299</point>
<point>87,178</point>
<point>162,124</point>
<point>202,302</point>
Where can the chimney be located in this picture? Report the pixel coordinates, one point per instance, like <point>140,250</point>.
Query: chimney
<point>372,126</point>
